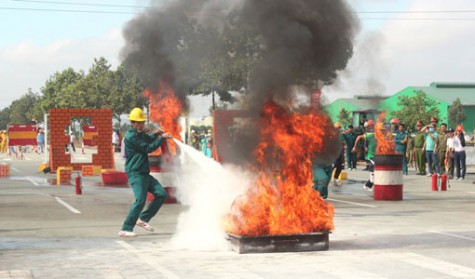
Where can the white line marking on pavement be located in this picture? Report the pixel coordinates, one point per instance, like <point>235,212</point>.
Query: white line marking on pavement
<point>354,203</point>
<point>167,273</point>
<point>27,193</point>
<point>32,181</point>
<point>65,204</point>
<point>14,169</point>
<point>450,269</point>
<point>28,178</point>
<point>452,235</point>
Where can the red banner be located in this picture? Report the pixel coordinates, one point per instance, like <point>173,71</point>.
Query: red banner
<point>19,134</point>
<point>90,132</point>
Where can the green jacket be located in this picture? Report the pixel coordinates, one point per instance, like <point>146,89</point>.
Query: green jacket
<point>441,142</point>
<point>371,140</point>
<point>398,140</point>
<point>137,147</point>
<point>349,140</point>
<point>419,140</point>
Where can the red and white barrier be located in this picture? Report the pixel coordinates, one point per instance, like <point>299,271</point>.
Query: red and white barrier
<point>388,178</point>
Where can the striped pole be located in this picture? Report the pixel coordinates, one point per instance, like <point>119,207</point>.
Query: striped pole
<point>388,178</point>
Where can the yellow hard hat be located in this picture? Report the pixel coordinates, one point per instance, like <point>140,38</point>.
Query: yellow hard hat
<point>137,115</point>
<point>338,125</point>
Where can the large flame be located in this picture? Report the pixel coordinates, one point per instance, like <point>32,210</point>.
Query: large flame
<point>282,200</point>
<point>165,110</point>
<point>384,137</point>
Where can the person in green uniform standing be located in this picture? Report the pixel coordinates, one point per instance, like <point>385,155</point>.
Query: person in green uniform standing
<point>441,147</point>
<point>350,137</point>
<point>321,177</point>
<point>401,145</point>
<point>370,138</point>
<point>411,159</point>
<point>419,141</point>
<point>137,146</point>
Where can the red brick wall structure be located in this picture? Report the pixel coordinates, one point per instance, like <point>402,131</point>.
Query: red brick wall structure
<point>4,169</point>
<point>224,124</point>
<point>61,118</point>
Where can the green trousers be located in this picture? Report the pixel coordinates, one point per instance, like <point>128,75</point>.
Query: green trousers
<point>421,160</point>
<point>404,159</point>
<point>141,184</point>
<point>451,168</point>
<point>441,159</point>
<point>321,179</point>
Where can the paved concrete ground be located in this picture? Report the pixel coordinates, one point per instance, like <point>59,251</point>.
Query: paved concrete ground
<point>427,235</point>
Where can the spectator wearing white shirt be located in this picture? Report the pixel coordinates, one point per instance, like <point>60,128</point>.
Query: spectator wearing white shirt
<point>450,154</point>
<point>72,138</point>
<point>116,141</point>
<point>460,158</point>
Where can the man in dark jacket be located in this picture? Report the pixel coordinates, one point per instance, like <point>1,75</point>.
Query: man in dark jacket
<point>350,138</point>
<point>137,146</point>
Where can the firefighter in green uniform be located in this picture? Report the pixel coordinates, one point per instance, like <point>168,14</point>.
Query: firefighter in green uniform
<point>420,153</point>
<point>370,138</point>
<point>322,172</point>
<point>137,146</point>
<point>401,145</point>
<point>321,177</point>
<point>441,147</point>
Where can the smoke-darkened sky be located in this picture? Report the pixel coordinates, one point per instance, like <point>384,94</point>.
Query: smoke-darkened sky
<point>297,42</point>
<point>301,42</point>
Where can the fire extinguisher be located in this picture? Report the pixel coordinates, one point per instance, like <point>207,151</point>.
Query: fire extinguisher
<point>435,180</point>
<point>78,185</point>
<point>443,182</point>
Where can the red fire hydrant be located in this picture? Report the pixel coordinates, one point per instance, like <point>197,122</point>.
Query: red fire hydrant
<point>435,180</point>
<point>78,184</point>
<point>443,182</point>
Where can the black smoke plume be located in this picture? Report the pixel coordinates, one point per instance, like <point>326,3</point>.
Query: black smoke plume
<point>283,42</point>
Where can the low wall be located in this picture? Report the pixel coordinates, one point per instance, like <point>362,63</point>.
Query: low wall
<point>470,152</point>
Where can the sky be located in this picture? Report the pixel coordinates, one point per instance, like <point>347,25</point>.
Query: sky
<point>399,43</point>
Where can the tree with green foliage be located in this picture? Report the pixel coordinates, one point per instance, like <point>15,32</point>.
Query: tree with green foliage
<point>4,118</point>
<point>229,64</point>
<point>127,92</point>
<point>419,107</point>
<point>344,118</point>
<point>97,85</point>
<point>101,87</point>
<point>456,113</point>
<point>24,109</point>
<point>60,91</point>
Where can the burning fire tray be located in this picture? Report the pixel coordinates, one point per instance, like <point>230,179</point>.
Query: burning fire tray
<point>317,241</point>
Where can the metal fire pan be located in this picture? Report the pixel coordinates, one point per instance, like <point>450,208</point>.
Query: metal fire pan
<point>317,241</point>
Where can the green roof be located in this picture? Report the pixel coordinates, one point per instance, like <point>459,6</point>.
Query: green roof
<point>364,103</point>
<point>450,91</point>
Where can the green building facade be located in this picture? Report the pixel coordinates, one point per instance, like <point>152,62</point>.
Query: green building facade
<point>445,93</point>
<point>361,108</point>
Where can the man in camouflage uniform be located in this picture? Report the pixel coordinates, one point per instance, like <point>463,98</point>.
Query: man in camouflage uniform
<point>419,141</point>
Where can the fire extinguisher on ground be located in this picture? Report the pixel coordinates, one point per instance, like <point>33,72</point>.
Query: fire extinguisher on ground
<point>435,181</point>
<point>443,182</point>
<point>78,184</point>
